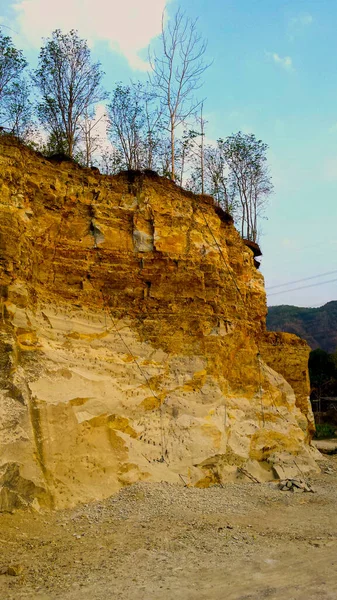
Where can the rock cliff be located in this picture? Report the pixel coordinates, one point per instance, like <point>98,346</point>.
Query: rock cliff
<point>132,340</point>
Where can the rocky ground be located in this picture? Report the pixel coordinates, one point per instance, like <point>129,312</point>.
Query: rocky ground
<point>242,541</point>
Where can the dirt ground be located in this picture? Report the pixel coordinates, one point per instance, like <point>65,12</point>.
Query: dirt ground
<point>242,541</point>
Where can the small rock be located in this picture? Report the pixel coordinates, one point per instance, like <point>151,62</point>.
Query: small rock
<point>14,570</point>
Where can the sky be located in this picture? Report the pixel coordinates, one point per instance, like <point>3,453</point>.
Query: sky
<point>273,73</point>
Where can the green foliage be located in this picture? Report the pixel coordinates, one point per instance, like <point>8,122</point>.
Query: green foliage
<point>246,159</point>
<point>325,430</point>
<point>126,123</point>
<point>69,84</point>
<point>236,175</point>
<point>15,105</point>
<point>12,64</point>
<point>134,125</point>
<point>19,119</point>
<point>143,119</point>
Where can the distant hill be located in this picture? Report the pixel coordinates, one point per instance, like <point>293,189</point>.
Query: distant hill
<point>318,326</point>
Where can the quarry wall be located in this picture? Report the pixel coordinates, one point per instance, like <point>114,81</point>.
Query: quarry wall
<point>132,340</point>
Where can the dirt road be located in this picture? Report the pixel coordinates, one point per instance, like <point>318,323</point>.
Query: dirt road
<point>244,541</point>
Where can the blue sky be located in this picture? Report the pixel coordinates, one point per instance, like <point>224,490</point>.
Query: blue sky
<point>274,73</point>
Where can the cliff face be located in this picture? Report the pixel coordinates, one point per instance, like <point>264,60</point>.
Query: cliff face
<point>133,342</point>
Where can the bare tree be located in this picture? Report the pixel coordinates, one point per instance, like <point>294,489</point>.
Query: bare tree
<point>153,125</point>
<point>70,85</point>
<point>202,122</point>
<point>197,153</point>
<point>176,73</point>
<point>90,137</point>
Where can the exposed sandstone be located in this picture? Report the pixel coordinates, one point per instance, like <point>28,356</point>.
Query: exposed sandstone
<point>133,340</point>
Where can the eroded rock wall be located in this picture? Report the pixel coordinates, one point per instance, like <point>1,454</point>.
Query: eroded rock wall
<point>133,342</point>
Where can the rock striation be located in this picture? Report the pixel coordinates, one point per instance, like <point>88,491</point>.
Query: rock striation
<point>133,343</point>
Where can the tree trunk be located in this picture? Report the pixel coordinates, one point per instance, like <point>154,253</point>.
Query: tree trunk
<point>70,145</point>
<point>202,168</point>
<point>172,151</point>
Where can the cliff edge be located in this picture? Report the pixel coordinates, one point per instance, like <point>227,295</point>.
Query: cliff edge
<point>133,343</point>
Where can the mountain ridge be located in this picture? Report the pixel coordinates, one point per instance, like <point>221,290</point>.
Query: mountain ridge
<point>318,326</point>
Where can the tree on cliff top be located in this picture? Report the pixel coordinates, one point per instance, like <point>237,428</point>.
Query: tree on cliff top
<point>246,159</point>
<point>70,86</point>
<point>134,125</point>
<point>15,106</point>
<point>12,63</point>
<point>176,73</point>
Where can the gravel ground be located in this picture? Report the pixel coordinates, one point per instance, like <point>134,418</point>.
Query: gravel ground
<point>242,541</point>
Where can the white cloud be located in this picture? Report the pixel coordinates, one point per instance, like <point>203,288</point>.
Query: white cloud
<point>285,62</point>
<point>127,25</point>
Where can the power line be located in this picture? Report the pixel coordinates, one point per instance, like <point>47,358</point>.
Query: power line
<point>10,29</point>
<point>302,287</point>
<point>272,287</point>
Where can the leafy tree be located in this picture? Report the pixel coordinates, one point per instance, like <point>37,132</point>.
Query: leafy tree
<point>12,64</point>
<point>126,123</point>
<point>18,112</point>
<point>176,74</point>
<point>70,86</point>
<point>134,125</point>
<point>15,108</point>
<point>235,173</point>
<point>246,159</point>
<point>212,175</point>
